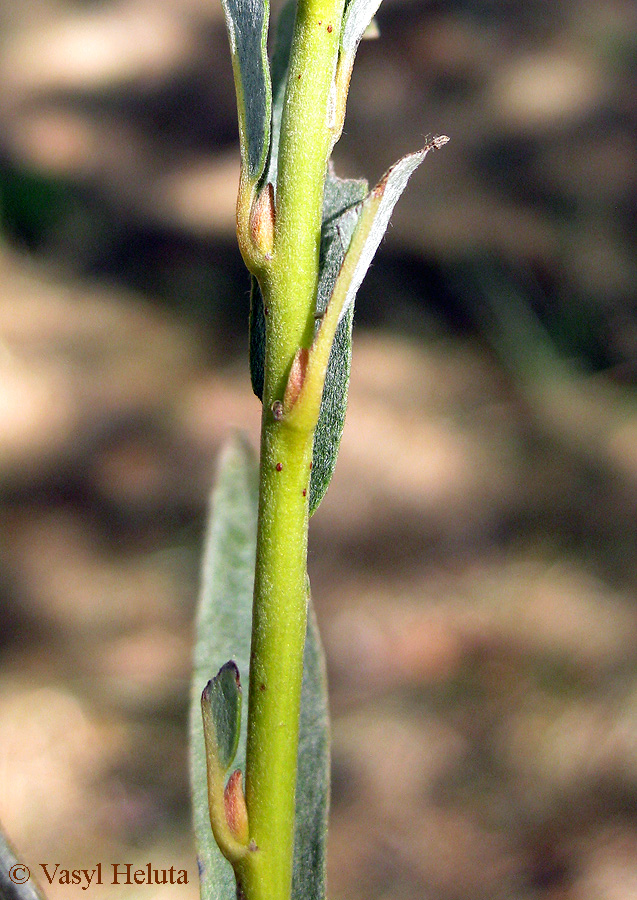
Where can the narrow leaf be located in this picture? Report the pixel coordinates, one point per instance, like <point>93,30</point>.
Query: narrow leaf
<point>223,631</point>
<point>224,623</point>
<point>373,218</point>
<point>372,224</point>
<point>340,214</point>
<point>341,209</point>
<point>247,23</point>
<point>357,21</point>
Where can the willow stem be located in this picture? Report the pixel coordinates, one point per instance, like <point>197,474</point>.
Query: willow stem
<point>280,594</point>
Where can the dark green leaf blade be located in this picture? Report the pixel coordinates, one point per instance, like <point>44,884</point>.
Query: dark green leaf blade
<point>222,700</point>
<point>247,23</point>
<point>329,429</point>
<point>340,215</point>
<point>224,630</point>
<point>257,338</point>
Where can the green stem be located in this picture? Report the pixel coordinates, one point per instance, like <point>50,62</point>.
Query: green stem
<point>304,147</point>
<point>278,636</point>
<point>289,284</point>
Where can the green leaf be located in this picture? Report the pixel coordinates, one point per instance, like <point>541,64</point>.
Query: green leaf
<point>373,220</point>
<point>247,23</point>
<point>340,214</point>
<point>223,631</point>
<point>221,702</point>
<point>341,209</point>
<point>224,624</point>
<point>221,714</point>
<point>329,356</point>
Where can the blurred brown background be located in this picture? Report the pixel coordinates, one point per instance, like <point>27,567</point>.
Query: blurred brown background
<point>474,563</point>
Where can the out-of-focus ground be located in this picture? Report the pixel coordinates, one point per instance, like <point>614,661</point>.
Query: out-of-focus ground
<point>474,562</point>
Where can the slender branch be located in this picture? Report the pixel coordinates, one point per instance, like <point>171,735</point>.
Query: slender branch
<point>289,282</point>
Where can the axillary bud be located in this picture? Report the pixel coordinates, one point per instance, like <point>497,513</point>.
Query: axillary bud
<point>262,221</point>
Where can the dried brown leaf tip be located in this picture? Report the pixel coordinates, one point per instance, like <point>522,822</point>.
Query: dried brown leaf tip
<point>436,141</point>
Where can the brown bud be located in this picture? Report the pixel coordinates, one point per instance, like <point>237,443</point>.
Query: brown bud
<point>262,221</point>
<point>236,810</point>
<point>296,378</point>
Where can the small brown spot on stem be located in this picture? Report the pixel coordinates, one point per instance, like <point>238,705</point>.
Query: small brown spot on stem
<point>329,29</point>
<point>304,492</point>
<point>262,686</point>
<point>279,467</point>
